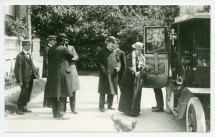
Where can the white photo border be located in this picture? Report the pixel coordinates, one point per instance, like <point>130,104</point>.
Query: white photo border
<point>106,2</point>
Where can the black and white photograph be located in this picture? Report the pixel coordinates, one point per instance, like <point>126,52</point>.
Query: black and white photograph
<point>107,68</point>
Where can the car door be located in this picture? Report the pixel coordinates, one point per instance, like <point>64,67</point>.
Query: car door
<point>156,57</point>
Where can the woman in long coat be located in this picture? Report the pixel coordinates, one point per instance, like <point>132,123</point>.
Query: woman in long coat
<point>132,81</point>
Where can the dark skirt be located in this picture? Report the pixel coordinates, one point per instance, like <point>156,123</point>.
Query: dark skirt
<point>125,102</point>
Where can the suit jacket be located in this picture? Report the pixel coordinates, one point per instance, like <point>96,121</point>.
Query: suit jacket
<point>45,62</point>
<point>59,72</point>
<point>24,68</point>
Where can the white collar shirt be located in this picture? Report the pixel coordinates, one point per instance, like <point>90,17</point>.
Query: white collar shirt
<point>26,53</point>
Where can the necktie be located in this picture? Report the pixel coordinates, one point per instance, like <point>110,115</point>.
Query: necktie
<point>28,54</point>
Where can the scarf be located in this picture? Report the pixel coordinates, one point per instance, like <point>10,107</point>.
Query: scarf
<point>141,61</point>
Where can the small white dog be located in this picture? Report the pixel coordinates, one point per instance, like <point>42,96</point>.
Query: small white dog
<point>123,124</point>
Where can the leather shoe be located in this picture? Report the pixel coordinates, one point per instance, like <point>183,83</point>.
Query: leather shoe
<point>154,107</point>
<point>133,115</point>
<point>102,109</point>
<point>19,112</point>
<point>26,110</point>
<point>74,112</point>
<point>111,108</point>
<point>62,118</point>
<point>157,110</point>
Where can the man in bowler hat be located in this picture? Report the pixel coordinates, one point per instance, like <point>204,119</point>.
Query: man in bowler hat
<point>51,42</point>
<point>59,79</point>
<point>108,66</point>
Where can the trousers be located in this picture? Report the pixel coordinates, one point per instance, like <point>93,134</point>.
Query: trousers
<point>102,100</point>
<point>159,97</point>
<point>25,95</point>
<point>58,106</point>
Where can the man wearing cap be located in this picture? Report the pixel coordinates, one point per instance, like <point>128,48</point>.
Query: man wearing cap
<point>58,85</point>
<point>25,72</point>
<point>108,66</point>
<point>51,42</point>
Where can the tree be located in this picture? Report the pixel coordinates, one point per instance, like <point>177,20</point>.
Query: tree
<point>87,26</point>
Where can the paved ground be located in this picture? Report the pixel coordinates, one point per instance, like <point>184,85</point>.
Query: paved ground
<point>89,118</point>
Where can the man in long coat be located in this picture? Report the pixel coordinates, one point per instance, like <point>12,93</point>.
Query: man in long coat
<point>59,76</point>
<point>120,55</point>
<point>25,72</point>
<point>51,42</point>
<point>108,65</point>
<point>75,84</point>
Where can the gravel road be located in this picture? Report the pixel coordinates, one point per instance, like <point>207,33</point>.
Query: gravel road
<point>89,118</point>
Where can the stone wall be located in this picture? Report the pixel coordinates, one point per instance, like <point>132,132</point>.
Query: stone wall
<point>12,48</point>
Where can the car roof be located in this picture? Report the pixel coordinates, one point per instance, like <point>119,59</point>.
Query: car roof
<point>187,17</point>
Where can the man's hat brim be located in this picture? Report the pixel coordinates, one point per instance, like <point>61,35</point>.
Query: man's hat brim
<point>51,37</point>
<point>26,42</point>
<point>62,36</point>
<point>111,39</point>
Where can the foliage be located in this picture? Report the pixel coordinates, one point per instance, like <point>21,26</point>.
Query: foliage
<point>87,26</point>
<point>10,80</point>
<point>8,31</point>
<point>16,27</point>
<point>205,8</point>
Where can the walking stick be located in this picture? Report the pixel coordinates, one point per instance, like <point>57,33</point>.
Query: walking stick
<point>117,98</point>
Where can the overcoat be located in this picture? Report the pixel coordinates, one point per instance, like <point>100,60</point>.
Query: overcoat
<point>127,103</point>
<point>59,74</point>
<point>45,62</point>
<point>106,62</point>
<point>24,68</point>
<point>75,84</point>
<point>129,76</point>
<point>122,59</point>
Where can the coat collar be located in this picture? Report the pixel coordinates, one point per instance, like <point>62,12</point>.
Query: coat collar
<point>24,54</point>
<point>108,50</point>
<point>49,45</point>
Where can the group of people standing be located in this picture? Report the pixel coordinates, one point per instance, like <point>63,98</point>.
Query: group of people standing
<point>59,69</point>
<point>62,78</point>
<point>128,73</point>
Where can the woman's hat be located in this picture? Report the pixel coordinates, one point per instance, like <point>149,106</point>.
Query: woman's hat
<point>138,45</point>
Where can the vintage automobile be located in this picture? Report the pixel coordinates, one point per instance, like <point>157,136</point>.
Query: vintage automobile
<point>182,65</point>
